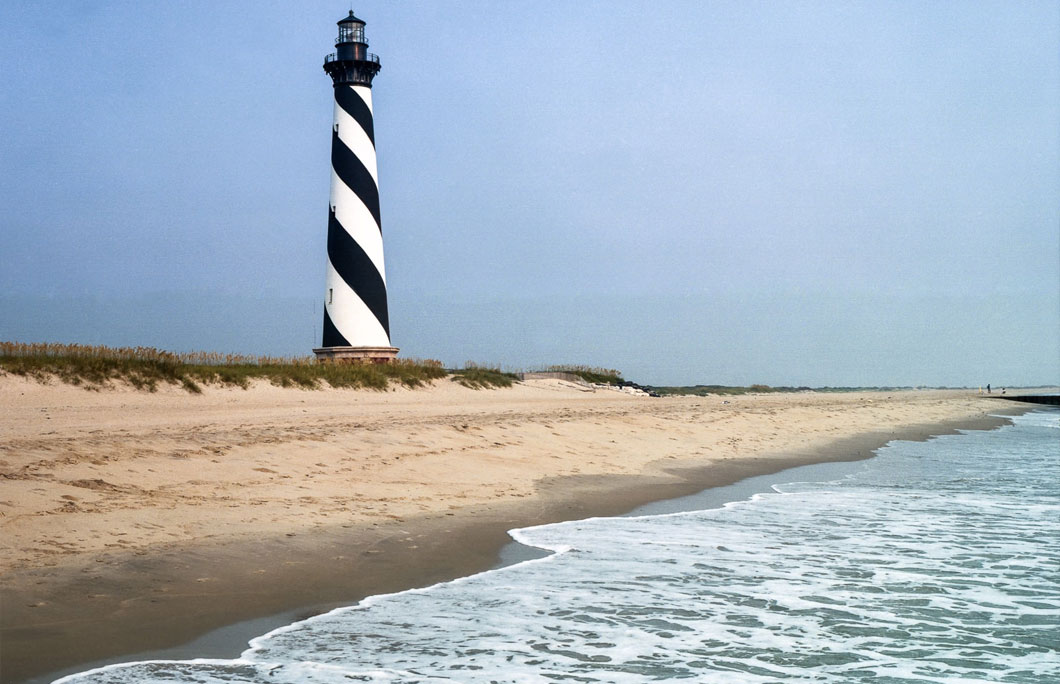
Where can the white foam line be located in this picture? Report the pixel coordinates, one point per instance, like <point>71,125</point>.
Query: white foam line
<point>242,661</point>
<point>119,666</point>
<point>257,645</point>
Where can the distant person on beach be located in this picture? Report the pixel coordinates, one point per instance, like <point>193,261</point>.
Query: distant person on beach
<point>988,388</point>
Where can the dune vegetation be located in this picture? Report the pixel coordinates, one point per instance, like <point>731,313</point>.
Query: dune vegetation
<point>95,366</point>
<point>599,376</point>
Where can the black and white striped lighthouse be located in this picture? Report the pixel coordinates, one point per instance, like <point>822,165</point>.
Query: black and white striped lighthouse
<point>356,323</point>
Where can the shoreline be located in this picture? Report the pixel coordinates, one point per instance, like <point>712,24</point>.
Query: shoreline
<point>133,603</point>
<point>228,641</point>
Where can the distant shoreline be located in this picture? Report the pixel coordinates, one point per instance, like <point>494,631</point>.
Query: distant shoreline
<point>192,513</point>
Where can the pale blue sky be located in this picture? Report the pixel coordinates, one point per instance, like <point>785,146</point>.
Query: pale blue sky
<point>815,193</point>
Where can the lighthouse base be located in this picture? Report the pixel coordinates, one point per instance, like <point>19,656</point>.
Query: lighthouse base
<point>356,354</point>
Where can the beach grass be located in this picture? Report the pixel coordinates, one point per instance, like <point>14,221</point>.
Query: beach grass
<point>592,374</point>
<point>148,368</point>
<point>476,376</point>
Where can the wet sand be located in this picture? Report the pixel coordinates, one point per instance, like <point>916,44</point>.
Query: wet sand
<point>135,521</point>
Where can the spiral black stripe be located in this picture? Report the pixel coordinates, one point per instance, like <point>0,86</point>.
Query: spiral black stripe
<point>357,270</point>
<point>332,336</point>
<point>353,173</point>
<point>357,108</point>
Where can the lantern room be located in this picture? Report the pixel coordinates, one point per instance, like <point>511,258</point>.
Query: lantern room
<point>351,30</point>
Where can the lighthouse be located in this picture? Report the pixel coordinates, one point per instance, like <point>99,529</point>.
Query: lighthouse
<point>356,322</point>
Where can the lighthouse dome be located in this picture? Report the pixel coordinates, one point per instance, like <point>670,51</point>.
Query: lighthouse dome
<point>350,20</point>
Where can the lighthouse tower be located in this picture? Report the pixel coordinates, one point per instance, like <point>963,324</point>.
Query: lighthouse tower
<point>356,324</point>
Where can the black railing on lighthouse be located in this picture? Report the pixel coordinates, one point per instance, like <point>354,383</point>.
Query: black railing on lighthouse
<point>370,57</point>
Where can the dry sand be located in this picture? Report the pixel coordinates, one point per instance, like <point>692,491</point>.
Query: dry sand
<point>133,521</point>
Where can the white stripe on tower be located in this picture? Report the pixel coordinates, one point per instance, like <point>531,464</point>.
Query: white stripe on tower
<point>353,134</point>
<point>355,306</point>
<point>354,315</point>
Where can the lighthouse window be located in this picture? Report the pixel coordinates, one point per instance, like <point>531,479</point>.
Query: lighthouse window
<point>351,33</point>
<point>330,293</point>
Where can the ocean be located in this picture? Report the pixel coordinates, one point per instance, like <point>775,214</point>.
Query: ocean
<point>934,561</point>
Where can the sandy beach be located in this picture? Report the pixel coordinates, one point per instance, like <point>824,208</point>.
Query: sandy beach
<point>135,521</point>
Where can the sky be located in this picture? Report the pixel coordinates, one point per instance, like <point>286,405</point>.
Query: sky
<point>785,193</point>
